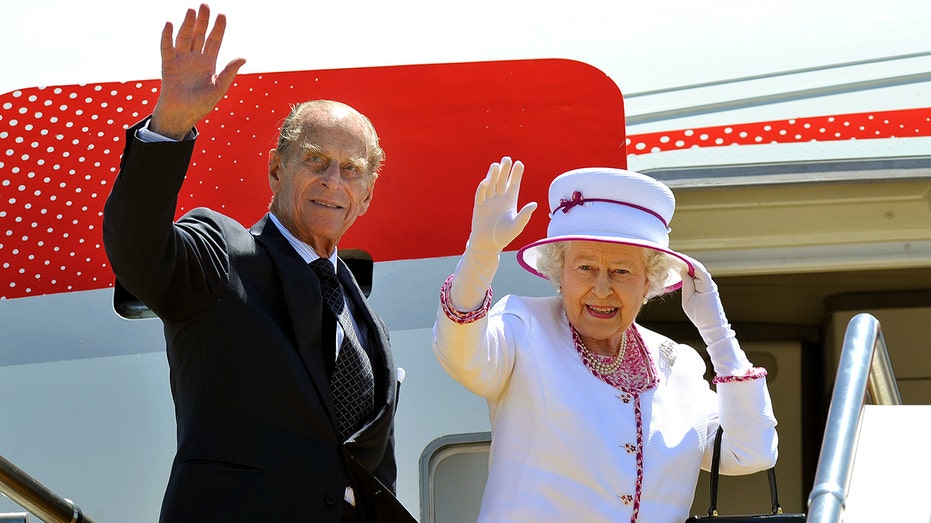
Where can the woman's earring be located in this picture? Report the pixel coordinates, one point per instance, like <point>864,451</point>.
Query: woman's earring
<point>645,300</point>
<point>559,290</point>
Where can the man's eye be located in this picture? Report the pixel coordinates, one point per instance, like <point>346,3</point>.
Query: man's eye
<point>315,160</point>
<point>352,172</point>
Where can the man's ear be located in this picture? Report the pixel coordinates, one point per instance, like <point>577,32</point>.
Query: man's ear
<point>274,168</point>
<point>368,197</point>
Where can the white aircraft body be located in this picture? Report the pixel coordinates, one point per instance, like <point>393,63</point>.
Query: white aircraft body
<point>796,136</point>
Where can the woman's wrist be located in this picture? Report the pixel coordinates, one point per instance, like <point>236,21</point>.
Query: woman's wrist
<point>459,316</point>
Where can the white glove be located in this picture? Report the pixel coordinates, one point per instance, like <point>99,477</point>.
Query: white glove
<point>495,220</point>
<point>495,224</point>
<point>702,304</point>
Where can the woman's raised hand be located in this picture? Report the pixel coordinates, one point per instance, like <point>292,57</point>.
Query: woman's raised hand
<point>495,218</point>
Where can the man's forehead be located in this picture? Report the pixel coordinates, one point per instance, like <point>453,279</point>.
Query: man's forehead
<point>322,129</point>
<point>333,140</point>
<point>332,116</point>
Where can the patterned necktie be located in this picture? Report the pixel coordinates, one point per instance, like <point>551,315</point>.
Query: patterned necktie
<point>353,383</point>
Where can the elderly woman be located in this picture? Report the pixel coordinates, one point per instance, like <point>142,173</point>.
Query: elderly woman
<point>594,417</point>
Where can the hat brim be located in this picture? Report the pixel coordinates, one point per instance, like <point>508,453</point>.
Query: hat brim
<point>529,254</point>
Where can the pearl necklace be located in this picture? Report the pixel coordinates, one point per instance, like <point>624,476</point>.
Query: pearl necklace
<point>603,365</point>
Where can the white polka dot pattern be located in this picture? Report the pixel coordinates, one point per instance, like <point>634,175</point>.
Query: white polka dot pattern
<point>60,149</point>
<point>860,126</point>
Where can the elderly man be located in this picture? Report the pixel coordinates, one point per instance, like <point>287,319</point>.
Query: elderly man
<point>284,384</point>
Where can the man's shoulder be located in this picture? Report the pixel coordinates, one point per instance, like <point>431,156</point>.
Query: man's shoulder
<point>206,215</point>
<point>220,229</point>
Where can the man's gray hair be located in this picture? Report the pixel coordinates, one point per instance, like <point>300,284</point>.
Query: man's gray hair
<point>295,126</point>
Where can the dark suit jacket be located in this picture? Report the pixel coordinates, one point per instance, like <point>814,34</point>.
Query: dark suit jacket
<point>242,319</point>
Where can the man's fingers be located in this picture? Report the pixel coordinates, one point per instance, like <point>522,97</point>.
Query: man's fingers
<point>228,74</point>
<point>212,47</point>
<point>200,28</point>
<point>185,32</point>
<point>167,45</point>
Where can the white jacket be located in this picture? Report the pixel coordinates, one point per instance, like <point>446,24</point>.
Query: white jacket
<point>565,444</point>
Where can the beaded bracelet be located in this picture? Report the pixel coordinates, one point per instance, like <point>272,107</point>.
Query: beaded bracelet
<point>460,317</point>
<point>752,374</point>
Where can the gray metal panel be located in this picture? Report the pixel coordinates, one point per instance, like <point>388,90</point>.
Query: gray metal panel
<point>857,170</point>
<point>453,472</point>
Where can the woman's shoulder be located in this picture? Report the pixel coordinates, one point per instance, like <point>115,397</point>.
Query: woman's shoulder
<point>654,339</point>
<point>530,313</point>
<point>530,306</point>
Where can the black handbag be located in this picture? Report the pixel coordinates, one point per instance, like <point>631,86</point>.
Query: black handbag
<point>775,516</point>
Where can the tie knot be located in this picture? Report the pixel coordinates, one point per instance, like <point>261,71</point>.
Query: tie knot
<point>329,285</point>
<point>323,268</point>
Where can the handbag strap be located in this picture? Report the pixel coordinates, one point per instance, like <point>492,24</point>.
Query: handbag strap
<point>716,465</point>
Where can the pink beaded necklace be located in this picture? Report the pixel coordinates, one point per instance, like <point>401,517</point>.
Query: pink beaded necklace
<point>600,365</point>
<point>630,371</point>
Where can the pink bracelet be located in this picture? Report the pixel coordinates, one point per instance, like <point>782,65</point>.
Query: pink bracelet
<point>753,374</point>
<point>456,315</point>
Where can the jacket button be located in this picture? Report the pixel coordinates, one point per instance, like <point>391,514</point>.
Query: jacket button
<point>331,499</point>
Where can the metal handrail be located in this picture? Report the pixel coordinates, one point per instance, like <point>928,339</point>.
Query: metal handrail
<point>36,498</point>
<point>864,368</point>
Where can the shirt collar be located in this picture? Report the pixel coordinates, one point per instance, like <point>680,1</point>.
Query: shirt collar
<point>304,250</point>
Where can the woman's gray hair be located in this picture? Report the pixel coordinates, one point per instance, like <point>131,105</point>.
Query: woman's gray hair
<point>552,257</point>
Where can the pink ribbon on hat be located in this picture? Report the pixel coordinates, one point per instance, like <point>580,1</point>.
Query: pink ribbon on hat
<point>577,199</point>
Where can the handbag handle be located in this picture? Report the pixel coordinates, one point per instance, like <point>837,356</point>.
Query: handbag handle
<point>715,466</point>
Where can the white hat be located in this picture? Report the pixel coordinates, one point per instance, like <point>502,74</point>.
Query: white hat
<point>609,205</point>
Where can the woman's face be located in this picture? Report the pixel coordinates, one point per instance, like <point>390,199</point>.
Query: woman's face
<point>603,287</point>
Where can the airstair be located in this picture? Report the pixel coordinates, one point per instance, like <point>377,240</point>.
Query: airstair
<point>875,457</point>
<point>36,498</point>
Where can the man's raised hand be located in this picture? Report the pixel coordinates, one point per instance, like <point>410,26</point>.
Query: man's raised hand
<point>191,87</point>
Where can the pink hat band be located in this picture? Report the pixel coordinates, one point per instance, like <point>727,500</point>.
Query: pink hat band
<point>599,213</point>
<point>609,205</point>
<point>578,199</point>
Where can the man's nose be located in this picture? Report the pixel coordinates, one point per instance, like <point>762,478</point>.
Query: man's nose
<point>330,173</point>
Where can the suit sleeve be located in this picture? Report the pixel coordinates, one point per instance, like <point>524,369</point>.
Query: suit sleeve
<point>175,269</point>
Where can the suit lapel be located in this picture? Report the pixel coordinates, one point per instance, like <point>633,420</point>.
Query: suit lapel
<point>377,339</point>
<point>367,445</point>
<point>301,290</point>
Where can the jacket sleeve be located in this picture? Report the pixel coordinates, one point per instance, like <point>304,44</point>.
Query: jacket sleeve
<point>479,355</point>
<point>745,411</point>
<point>175,269</point>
